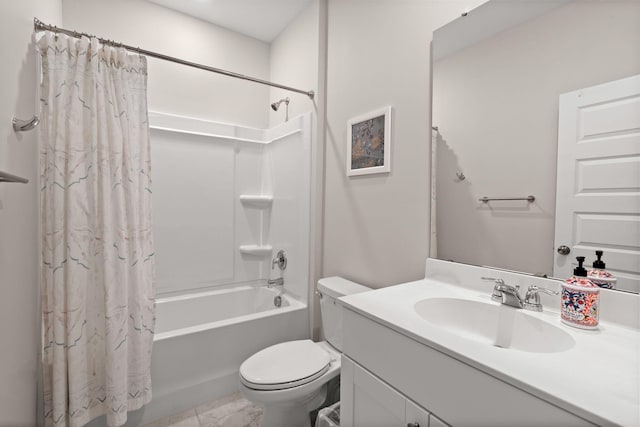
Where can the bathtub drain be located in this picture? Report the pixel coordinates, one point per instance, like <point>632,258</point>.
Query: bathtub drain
<point>277,301</point>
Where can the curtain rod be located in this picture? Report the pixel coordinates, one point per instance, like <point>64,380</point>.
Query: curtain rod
<point>40,26</point>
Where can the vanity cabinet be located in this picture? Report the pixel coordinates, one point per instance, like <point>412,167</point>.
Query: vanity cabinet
<point>384,372</point>
<point>368,401</point>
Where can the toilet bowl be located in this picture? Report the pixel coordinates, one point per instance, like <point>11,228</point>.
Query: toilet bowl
<point>289,379</point>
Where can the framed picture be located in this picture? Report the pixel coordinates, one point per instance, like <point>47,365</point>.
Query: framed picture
<point>369,143</point>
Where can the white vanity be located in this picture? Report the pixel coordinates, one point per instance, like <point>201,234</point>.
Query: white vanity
<point>424,353</point>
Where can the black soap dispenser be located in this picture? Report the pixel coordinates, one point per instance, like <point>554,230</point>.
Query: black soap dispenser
<point>579,304</point>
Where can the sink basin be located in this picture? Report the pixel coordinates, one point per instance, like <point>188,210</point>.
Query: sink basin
<point>495,324</point>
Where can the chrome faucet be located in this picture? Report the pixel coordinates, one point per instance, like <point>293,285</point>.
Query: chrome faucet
<point>532,298</point>
<point>505,294</point>
<point>280,260</point>
<point>509,295</point>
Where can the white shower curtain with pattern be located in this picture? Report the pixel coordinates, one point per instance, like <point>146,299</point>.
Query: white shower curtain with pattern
<point>97,283</point>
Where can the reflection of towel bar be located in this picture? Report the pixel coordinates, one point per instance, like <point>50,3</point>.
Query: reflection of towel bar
<point>529,199</point>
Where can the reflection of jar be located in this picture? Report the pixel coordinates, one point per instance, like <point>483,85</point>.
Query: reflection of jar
<point>599,276</point>
<point>579,303</point>
<point>602,278</point>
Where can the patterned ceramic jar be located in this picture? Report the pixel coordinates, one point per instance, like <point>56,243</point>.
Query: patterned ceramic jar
<point>579,303</point>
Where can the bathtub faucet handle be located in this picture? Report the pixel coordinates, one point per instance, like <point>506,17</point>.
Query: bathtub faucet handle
<point>280,260</point>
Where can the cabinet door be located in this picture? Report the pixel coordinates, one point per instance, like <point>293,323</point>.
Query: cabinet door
<point>367,401</point>
<point>415,416</point>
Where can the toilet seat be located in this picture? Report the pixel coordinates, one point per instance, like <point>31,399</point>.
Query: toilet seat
<point>285,365</point>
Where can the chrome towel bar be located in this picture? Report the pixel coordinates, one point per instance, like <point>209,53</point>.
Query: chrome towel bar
<point>486,199</point>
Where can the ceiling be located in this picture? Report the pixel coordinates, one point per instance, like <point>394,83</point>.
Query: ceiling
<point>261,19</point>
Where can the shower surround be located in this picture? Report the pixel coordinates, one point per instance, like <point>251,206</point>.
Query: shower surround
<point>226,199</point>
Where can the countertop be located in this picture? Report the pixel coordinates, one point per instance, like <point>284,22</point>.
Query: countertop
<point>597,379</point>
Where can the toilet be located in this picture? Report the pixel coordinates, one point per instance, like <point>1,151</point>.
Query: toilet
<point>289,379</point>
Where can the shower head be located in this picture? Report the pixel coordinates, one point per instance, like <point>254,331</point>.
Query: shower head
<point>276,104</point>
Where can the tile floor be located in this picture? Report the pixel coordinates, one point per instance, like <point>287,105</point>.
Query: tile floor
<point>228,411</point>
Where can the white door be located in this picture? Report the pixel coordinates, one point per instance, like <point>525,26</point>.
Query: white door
<point>598,180</point>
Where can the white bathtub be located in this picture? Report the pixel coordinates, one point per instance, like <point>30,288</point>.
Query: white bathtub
<point>201,339</point>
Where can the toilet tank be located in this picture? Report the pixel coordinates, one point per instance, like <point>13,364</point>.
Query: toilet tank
<point>330,289</point>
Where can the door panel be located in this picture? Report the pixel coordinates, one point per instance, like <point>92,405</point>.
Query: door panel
<point>608,175</point>
<point>598,179</point>
<point>367,401</point>
<point>375,403</point>
<point>618,114</point>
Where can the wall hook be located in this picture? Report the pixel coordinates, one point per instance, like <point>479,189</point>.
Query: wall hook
<point>20,125</point>
<point>7,177</point>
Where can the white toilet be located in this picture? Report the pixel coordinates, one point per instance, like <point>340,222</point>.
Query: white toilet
<point>289,379</point>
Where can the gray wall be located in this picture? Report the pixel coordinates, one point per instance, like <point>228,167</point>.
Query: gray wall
<point>174,88</point>
<point>377,226</point>
<point>19,257</point>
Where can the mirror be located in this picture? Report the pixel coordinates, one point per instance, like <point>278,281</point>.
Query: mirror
<point>497,76</point>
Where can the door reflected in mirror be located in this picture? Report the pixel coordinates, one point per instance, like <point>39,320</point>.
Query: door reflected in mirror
<point>498,75</point>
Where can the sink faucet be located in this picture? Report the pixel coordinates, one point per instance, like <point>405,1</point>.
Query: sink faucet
<point>506,294</point>
<point>532,298</point>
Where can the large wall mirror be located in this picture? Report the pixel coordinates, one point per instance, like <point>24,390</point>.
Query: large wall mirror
<point>498,74</point>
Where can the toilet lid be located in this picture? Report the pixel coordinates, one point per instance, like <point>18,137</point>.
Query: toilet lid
<point>284,365</point>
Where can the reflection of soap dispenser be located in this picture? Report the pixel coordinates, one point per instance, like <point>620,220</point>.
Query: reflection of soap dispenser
<point>580,298</point>
<point>599,276</point>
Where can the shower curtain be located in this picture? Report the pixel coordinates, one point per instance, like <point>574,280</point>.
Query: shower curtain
<point>97,268</point>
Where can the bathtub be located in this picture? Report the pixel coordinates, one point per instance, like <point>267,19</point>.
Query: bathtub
<point>201,339</point>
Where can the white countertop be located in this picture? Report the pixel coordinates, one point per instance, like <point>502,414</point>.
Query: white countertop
<point>597,379</point>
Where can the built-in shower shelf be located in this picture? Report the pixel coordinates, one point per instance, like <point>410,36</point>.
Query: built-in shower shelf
<point>256,201</point>
<point>256,250</point>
